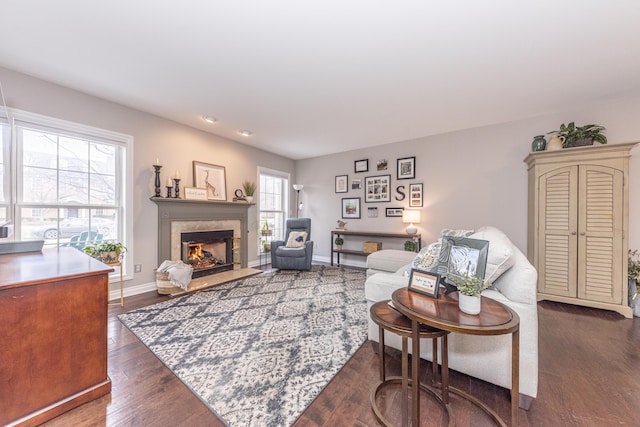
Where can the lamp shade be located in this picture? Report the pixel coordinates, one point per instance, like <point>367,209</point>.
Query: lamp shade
<point>410,217</point>
<point>298,187</point>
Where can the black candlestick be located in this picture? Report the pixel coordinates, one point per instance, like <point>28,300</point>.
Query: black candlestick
<point>169,187</point>
<point>177,181</point>
<point>157,168</point>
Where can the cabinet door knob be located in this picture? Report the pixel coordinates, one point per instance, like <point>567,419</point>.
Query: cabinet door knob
<point>583,234</point>
<point>573,233</point>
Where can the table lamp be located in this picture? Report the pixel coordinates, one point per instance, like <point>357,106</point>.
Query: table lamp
<point>410,217</point>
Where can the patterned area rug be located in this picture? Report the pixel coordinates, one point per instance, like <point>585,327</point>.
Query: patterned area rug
<point>259,350</point>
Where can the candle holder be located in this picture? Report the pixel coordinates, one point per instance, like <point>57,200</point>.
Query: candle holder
<point>177,181</point>
<point>157,169</point>
<point>169,187</point>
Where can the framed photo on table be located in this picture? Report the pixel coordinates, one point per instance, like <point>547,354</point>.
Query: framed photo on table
<point>342,183</point>
<point>462,255</point>
<point>377,188</point>
<point>406,168</point>
<point>212,178</point>
<point>351,207</point>
<point>424,282</point>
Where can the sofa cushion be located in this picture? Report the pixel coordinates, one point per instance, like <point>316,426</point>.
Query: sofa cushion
<point>389,260</point>
<point>501,252</point>
<point>297,239</point>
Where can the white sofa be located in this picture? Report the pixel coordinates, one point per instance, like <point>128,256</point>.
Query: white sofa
<point>485,357</point>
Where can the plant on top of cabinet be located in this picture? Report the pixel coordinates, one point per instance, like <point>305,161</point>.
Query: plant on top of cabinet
<point>578,136</point>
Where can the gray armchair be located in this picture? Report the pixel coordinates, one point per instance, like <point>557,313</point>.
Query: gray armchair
<point>286,258</point>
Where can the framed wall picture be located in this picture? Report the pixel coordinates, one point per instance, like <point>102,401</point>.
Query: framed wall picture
<point>424,282</point>
<point>342,183</point>
<point>462,255</point>
<point>415,195</point>
<point>372,212</point>
<point>351,207</point>
<point>361,165</point>
<point>212,178</point>
<point>394,212</point>
<point>356,184</point>
<point>406,168</point>
<point>382,165</point>
<point>377,188</point>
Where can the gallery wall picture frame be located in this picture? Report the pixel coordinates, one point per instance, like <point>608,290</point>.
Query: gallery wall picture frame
<point>424,282</point>
<point>394,212</point>
<point>342,183</point>
<point>356,184</point>
<point>406,168</point>
<point>462,255</point>
<point>361,165</point>
<point>372,212</point>
<point>415,195</point>
<point>377,188</point>
<point>382,164</point>
<point>351,207</point>
<point>212,178</point>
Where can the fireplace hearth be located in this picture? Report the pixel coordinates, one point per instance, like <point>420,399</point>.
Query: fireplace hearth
<point>208,252</point>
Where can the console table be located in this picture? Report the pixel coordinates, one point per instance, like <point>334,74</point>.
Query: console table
<point>53,324</point>
<point>334,233</point>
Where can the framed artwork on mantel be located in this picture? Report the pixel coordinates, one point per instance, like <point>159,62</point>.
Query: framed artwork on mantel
<point>212,178</point>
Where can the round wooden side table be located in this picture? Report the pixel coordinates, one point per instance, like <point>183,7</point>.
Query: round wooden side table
<point>389,319</point>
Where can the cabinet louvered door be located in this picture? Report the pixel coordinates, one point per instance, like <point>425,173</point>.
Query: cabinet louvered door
<point>558,225</point>
<point>600,234</point>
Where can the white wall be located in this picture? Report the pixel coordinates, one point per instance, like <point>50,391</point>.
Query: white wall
<point>471,178</point>
<point>174,144</point>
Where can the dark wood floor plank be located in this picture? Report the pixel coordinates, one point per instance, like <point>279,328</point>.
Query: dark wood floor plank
<point>589,364</point>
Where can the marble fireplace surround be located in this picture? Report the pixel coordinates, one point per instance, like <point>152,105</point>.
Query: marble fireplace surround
<point>178,215</point>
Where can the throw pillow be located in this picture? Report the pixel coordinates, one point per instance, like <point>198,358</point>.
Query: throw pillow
<point>500,257</point>
<point>297,239</point>
<point>427,258</point>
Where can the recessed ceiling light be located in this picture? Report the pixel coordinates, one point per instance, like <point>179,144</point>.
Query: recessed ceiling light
<point>209,119</point>
<point>246,133</point>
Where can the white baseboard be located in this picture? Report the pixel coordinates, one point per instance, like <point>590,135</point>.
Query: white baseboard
<point>131,291</point>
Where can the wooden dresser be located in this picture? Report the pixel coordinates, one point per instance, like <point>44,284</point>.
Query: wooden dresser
<point>53,334</point>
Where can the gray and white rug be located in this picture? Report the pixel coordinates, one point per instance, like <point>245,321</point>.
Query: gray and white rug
<point>259,350</point>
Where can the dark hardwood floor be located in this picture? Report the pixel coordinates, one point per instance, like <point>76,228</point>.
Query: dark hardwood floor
<point>589,376</point>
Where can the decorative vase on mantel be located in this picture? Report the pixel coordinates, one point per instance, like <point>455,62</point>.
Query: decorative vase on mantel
<point>469,304</point>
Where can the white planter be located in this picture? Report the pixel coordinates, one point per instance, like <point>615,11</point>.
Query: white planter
<point>469,304</point>
<point>249,199</point>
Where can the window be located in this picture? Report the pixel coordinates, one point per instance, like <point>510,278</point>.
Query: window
<point>67,179</point>
<point>274,196</point>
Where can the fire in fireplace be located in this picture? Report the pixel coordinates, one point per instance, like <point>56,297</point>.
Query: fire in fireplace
<point>208,252</point>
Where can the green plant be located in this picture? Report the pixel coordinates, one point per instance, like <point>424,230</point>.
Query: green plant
<point>633,268</point>
<point>339,241</point>
<point>249,187</point>
<point>410,246</point>
<point>573,133</point>
<point>101,251</point>
<point>469,285</point>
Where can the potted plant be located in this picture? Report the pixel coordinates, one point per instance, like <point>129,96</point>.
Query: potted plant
<point>339,241</point>
<point>410,246</point>
<point>249,188</point>
<point>266,246</point>
<point>469,288</point>
<point>266,231</point>
<point>577,136</point>
<point>107,252</point>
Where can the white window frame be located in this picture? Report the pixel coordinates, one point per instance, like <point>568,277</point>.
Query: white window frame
<point>286,194</point>
<point>62,127</point>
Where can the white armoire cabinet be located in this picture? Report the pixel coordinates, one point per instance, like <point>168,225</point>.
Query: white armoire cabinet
<point>578,225</point>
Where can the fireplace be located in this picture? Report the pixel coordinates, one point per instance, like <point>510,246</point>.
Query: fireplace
<point>208,252</point>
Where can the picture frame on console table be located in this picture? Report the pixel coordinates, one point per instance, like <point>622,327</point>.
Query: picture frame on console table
<point>424,282</point>
<point>212,178</point>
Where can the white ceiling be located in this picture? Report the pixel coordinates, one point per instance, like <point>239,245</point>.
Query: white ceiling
<point>312,77</point>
